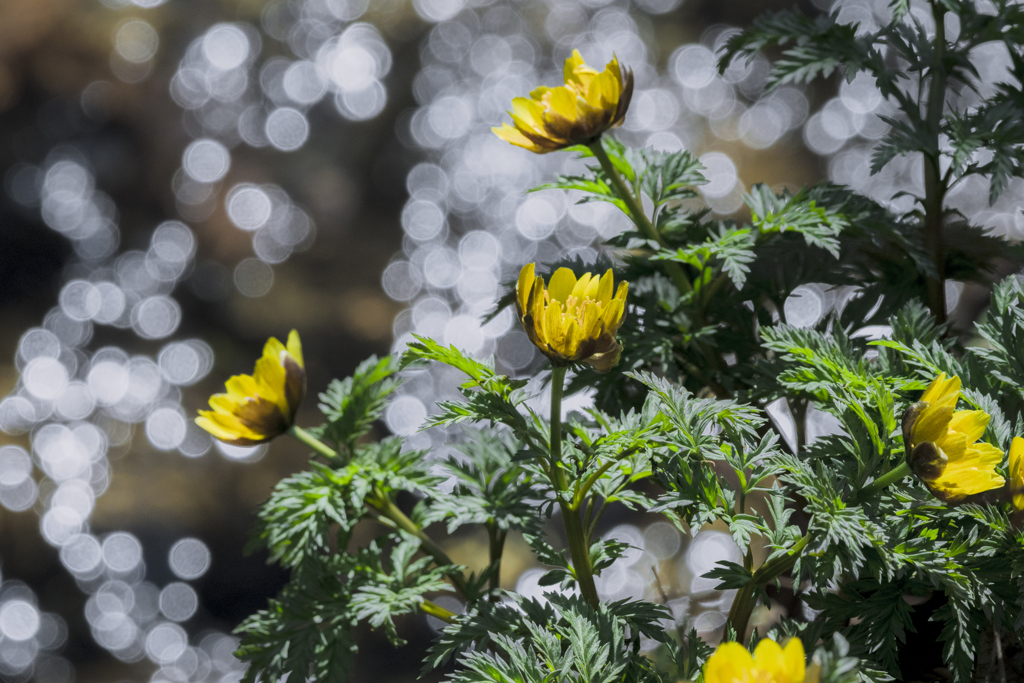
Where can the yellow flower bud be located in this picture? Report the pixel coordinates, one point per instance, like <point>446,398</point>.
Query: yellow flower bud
<point>770,663</point>
<point>575,113</point>
<point>572,321</point>
<point>942,444</point>
<point>258,407</point>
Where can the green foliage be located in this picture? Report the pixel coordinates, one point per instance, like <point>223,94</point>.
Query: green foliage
<point>351,405</point>
<point>691,424</point>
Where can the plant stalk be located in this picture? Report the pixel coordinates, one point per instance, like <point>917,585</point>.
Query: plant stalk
<point>316,444</point>
<point>579,547</point>
<point>891,477</point>
<point>636,212</point>
<point>435,610</point>
<point>746,598</point>
<point>934,184</point>
<point>496,545</point>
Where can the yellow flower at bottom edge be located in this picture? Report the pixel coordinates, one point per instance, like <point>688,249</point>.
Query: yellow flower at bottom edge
<point>944,450</point>
<point>258,407</point>
<point>1017,472</point>
<point>770,663</point>
<point>572,321</point>
<point>575,113</point>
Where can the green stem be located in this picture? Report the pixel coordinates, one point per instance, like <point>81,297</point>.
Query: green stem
<point>934,185</point>
<point>746,598</point>
<point>435,610</point>
<point>387,508</point>
<point>891,477</point>
<point>636,212</point>
<point>579,548</point>
<point>382,503</point>
<point>496,545</point>
<point>581,494</point>
<point>313,442</point>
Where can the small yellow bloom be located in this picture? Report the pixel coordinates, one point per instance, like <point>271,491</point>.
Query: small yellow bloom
<point>572,321</point>
<point>770,663</point>
<point>260,406</point>
<point>578,112</point>
<point>944,450</point>
<point>1017,472</point>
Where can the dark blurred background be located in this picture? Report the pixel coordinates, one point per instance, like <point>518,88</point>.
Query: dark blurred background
<point>185,178</point>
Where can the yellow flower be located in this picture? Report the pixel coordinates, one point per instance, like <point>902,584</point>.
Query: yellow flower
<point>572,321</point>
<point>260,406</point>
<point>1017,472</point>
<point>770,663</point>
<point>578,112</point>
<point>943,448</point>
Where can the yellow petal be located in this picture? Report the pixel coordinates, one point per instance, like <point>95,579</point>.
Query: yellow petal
<point>570,66</point>
<point>932,424</point>
<point>512,135</point>
<point>611,315</point>
<point>580,290</point>
<point>731,663</point>
<point>955,448</point>
<point>523,287</point>
<point>605,288</point>
<point>591,325</point>
<point>562,101</point>
<point>571,337</point>
<point>576,73</point>
<point>536,307</point>
<point>562,284</point>
<point>603,91</point>
<point>971,423</point>
<point>553,330</point>
<point>270,378</point>
<point>768,659</point>
<point>796,660</point>
<point>592,287</point>
<point>1016,453</point>
<point>241,386</point>
<point>295,348</point>
<point>528,115</point>
<point>941,389</point>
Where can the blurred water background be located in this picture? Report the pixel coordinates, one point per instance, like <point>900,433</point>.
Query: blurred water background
<point>184,178</point>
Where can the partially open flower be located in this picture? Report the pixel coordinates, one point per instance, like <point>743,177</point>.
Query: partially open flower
<point>770,663</point>
<point>942,444</point>
<point>258,407</point>
<point>575,113</point>
<point>573,321</point>
<point>1017,473</point>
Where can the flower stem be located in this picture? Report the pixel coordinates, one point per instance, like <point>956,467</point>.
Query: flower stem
<point>435,610</point>
<point>935,185</point>
<point>579,547</point>
<point>891,477</point>
<point>387,508</point>
<point>382,503</point>
<point>309,440</point>
<point>746,598</point>
<point>636,212</point>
